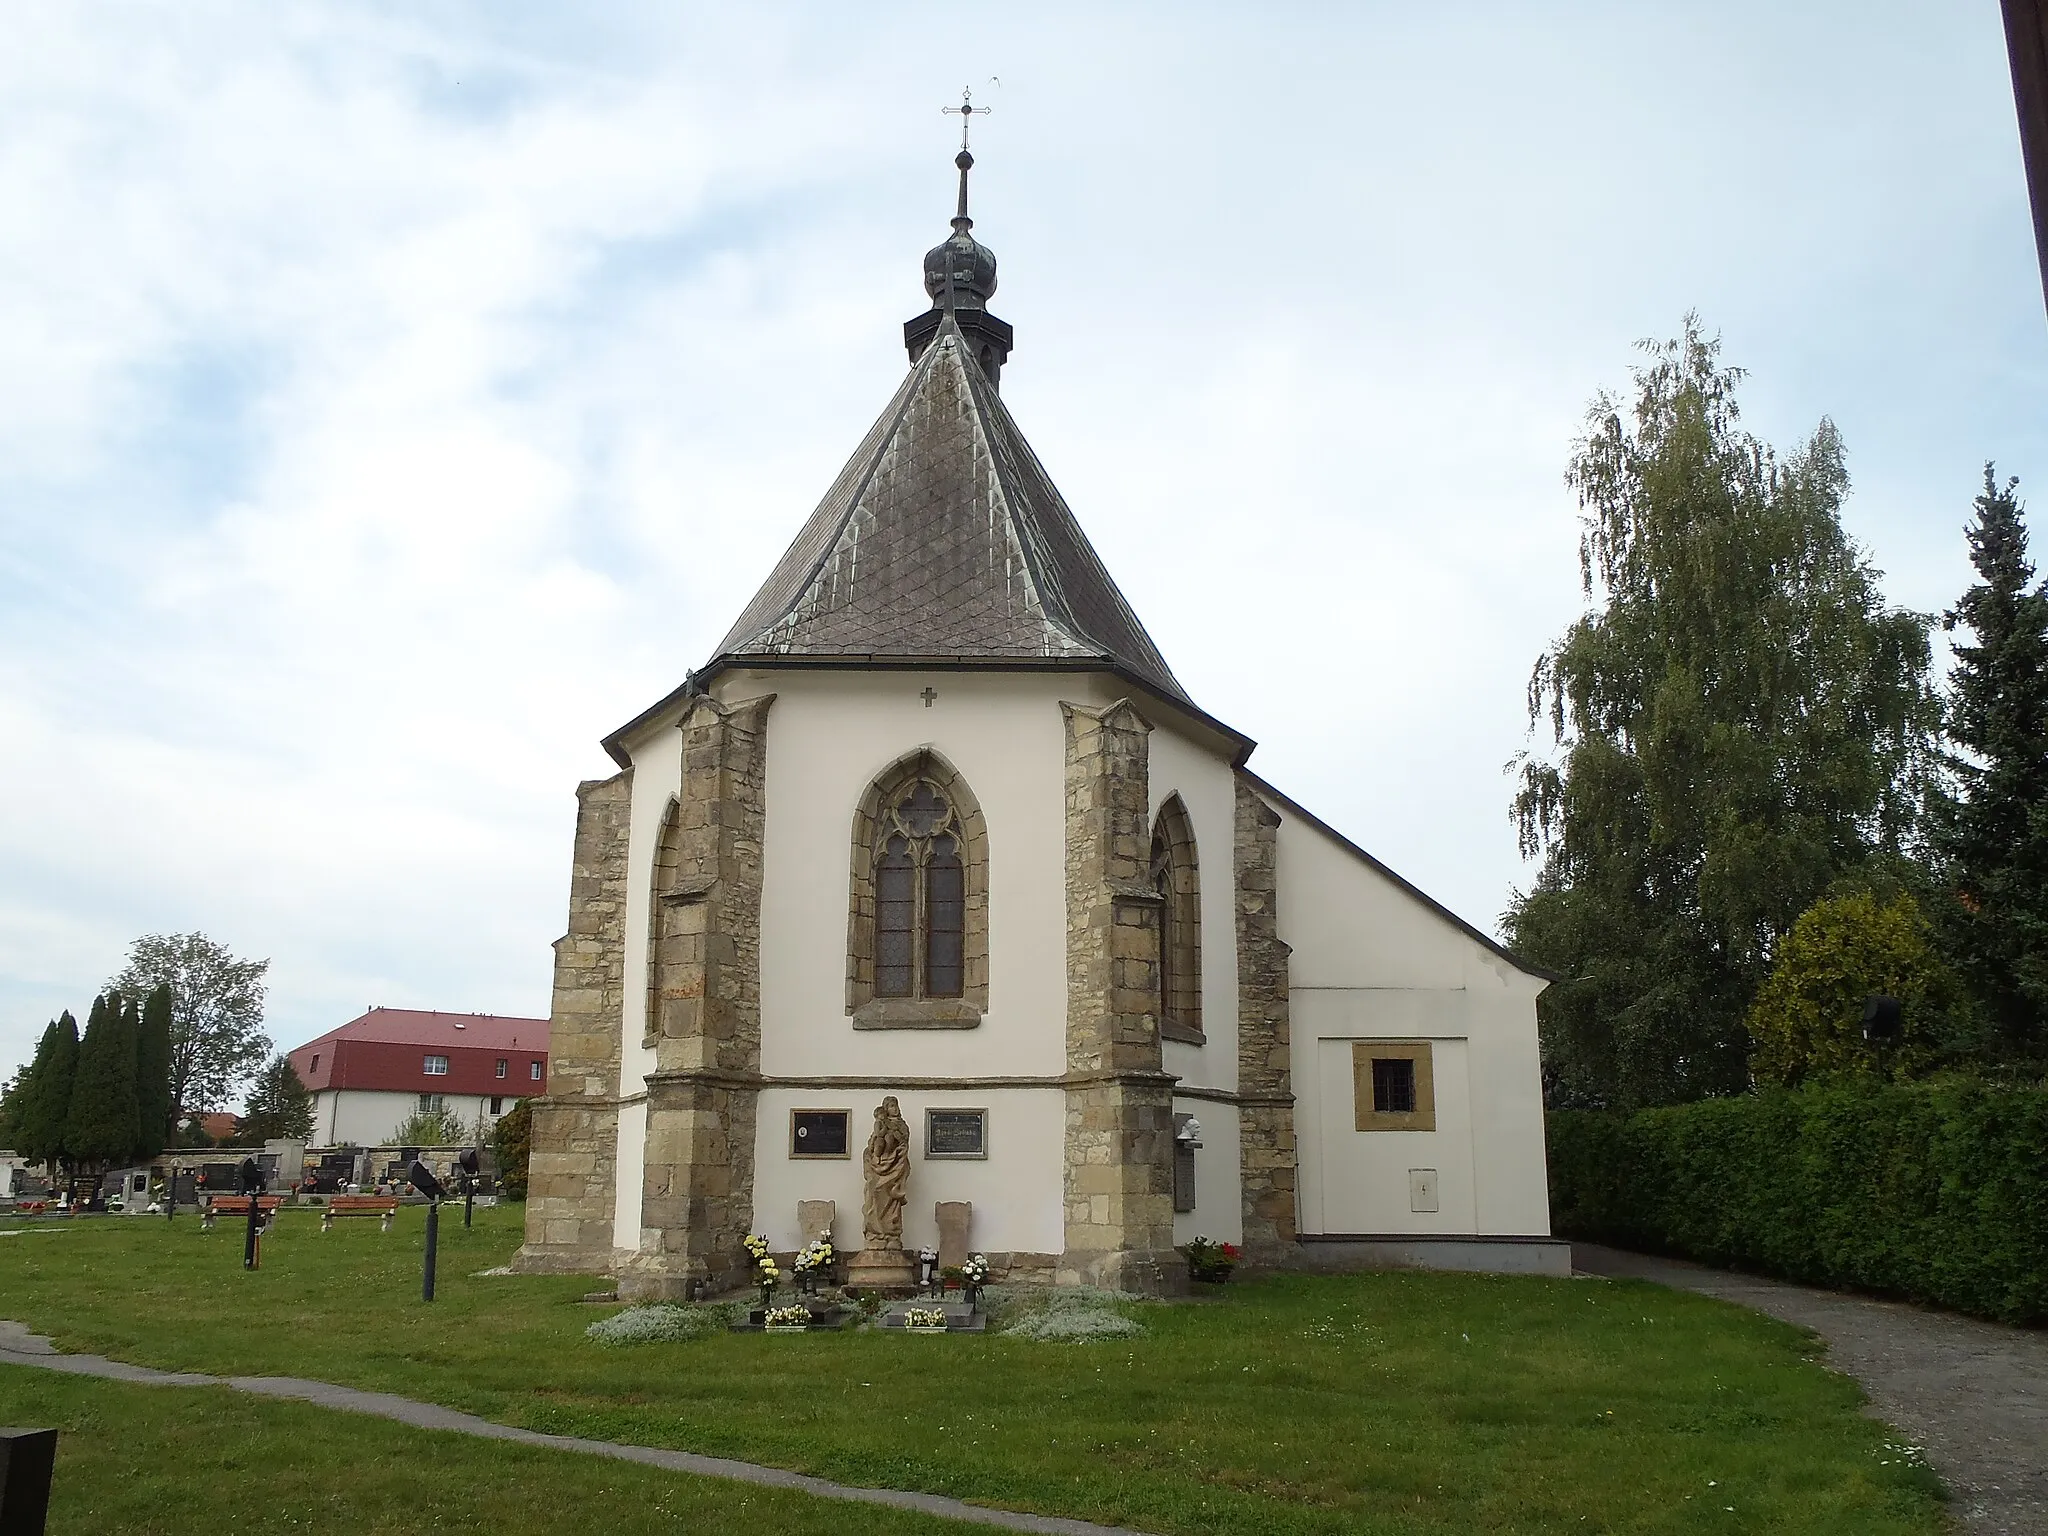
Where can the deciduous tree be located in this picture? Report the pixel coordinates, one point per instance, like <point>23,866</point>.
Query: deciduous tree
<point>1807,1021</point>
<point>1738,720</point>
<point>217,1036</point>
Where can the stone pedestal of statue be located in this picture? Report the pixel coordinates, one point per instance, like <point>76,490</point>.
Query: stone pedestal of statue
<point>881,1269</point>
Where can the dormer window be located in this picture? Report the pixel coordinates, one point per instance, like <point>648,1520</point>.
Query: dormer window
<point>436,1066</point>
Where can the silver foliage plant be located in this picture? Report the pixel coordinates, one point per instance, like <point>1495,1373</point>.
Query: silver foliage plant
<point>1065,1316</point>
<point>660,1324</point>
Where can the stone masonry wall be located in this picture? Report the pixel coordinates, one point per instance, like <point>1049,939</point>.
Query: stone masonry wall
<point>571,1178</point>
<point>1119,1134</point>
<point>1265,1042</point>
<point>698,1195</point>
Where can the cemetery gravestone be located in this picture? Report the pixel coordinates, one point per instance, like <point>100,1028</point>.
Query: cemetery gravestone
<point>814,1218</point>
<point>953,1217</point>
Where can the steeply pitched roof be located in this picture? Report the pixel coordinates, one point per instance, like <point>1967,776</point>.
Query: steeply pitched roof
<point>944,539</point>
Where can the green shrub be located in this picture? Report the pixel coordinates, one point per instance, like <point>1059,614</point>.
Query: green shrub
<point>1936,1192</point>
<point>512,1138</point>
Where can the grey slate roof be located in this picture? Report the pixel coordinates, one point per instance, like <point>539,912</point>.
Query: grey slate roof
<point>944,539</point>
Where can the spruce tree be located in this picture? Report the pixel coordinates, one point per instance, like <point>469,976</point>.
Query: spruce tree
<point>102,1123</point>
<point>280,1107</point>
<point>153,1073</point>
<point>42,1116</point>
<point>1991,832</point>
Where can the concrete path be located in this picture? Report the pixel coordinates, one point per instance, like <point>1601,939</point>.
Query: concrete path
<point>20,1347</point>
<point>1973,1395</point>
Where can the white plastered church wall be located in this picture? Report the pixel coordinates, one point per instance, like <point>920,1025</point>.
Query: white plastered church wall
<point>1371,962</point>
<point>657,754</point>
<point>830,735</point>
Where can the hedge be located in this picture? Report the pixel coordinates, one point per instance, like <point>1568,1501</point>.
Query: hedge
<point>1934,1192</point>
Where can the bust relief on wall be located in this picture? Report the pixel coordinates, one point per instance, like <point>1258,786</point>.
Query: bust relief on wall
<point>917,911</point>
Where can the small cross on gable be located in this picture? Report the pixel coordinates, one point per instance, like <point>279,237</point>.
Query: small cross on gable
<point>930,697</point>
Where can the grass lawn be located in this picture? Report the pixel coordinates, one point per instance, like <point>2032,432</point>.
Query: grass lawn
<point>1392,1403</point>
<point>179,1461</point>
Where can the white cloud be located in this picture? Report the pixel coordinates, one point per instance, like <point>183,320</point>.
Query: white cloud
<point>394,400</point>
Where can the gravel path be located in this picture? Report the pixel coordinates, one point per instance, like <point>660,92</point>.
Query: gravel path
<point>20,1347</point>
<point>1973,1394</point>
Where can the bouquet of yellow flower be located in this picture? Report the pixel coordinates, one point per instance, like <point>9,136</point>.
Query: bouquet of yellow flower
<point>757,1248</point>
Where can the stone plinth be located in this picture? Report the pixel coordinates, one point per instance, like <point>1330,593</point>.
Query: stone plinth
<point>881,1269</point>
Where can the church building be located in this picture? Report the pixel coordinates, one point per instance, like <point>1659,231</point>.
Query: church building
<point>937,822</point>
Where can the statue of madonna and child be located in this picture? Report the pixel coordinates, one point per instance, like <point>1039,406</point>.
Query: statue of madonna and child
<point>885,1169</point>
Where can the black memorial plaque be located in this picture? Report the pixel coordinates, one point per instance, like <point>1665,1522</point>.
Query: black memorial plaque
<point>956,1133</point>
<point>817,1133</point>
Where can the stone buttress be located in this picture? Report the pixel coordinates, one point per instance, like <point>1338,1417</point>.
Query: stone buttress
<point>1267,1156</point>
<point>697,1200</point>
<point>571,1177</point>
<point>1119,1132</point>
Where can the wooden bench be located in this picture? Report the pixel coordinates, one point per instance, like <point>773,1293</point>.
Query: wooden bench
<point>359,1205</point>
<point>238,1205</point>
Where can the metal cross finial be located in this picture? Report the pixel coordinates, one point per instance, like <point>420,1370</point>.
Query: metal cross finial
<point>967,111</point>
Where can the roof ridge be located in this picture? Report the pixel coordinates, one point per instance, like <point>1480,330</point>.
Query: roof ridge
<point>883,434</point>
<point>1048,583</point>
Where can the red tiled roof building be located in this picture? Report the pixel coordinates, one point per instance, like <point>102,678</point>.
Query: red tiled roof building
<point>375,1072</point>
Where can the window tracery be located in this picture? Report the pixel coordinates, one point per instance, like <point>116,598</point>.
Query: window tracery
<point>917,948</point>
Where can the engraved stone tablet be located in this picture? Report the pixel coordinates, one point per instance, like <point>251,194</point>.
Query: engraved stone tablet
<point>956,1133</point>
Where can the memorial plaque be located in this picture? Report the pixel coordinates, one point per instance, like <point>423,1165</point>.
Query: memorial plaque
<point>956,1133</point>
<point>817,1133</point>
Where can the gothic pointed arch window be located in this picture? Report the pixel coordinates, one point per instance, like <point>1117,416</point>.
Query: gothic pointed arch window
<point>917,933</point>
<point>1177,879</point>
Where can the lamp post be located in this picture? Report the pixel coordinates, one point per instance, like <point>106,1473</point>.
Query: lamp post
<point>252,1186</point>
<point>468,1164</point>
<point>423,1180</point>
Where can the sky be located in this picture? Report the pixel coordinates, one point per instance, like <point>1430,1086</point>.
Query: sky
<point>396,398</point>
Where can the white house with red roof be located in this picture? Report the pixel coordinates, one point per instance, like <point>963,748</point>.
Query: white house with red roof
<point>375,1072</point>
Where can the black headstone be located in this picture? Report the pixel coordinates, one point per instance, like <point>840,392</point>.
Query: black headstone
<point>27,1457</point>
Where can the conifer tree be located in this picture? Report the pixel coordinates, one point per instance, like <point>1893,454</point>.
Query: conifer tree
<point>153,1073</point>
<point>43,1110</point>
<point>280,1107</point>
<point>1991,832</point>
<point>101,1126</point>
